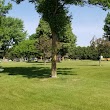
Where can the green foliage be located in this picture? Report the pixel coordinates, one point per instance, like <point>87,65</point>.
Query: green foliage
<point>43,29</point>
<point>105,4</point>
<point>33,37</point>
<point>11,32</point>
<point>107,27</point>
<point>13,29</point>
<point>44,46</point>
<point>75,2</point>
<point>55,14</point>
<point>97,47</point>
<point>43,39</point>
<point>24,49</point>
<point>3,11</point>
<point>4,8</point>
<point>102,47</point>
<point>44,42</point>
<point>84,53</point>
<point>66,41</point>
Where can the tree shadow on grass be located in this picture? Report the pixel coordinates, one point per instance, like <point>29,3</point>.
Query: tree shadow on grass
<point>35,72</point>
<point>89,65</point>
<point>66,71</point>
<point>29,72</point>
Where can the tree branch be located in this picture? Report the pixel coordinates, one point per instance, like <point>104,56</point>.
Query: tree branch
<point>57,8</point>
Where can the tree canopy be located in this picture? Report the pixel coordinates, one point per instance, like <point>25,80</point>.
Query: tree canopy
<point>102,46</point>
<point>11,29</point>
<point>24,49</point>
<point>11,32</point>
<point>4,8</point>
<point>107,27</point>
<point>3,11</point>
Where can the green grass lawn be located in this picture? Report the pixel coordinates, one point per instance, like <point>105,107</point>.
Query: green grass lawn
<point>81,85</point>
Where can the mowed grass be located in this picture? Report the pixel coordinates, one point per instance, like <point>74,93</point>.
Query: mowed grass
<point>81,85</point>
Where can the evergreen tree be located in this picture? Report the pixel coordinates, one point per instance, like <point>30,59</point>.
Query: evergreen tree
<point>107,27</point>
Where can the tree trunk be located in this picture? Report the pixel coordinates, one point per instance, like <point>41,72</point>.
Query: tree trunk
<point>63,58</point>
<point>4,56</point>
<point>54,55</point>
<point>44,58</point>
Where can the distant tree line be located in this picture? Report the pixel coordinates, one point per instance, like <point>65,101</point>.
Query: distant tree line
<point>97,47</point>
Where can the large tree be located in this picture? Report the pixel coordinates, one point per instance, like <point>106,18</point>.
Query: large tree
<point>11,29</point>
<point>55,13</point>
<point>11,32</point>
<point>3,11</point>
<point>68,40</point>
<point>107,27</point>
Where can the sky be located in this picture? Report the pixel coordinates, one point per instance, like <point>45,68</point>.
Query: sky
<point>87,21</point>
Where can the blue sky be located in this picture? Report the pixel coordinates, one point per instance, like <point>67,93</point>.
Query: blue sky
<point>87,21</point>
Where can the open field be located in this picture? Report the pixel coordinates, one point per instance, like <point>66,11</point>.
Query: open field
<point>81,85</point>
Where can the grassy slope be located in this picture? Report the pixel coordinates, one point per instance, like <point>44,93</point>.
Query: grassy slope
<point>82,85</point>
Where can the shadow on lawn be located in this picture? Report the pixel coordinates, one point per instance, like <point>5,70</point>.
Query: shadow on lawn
<point>89,65</point>
<point>35,72</point>
<point>66,71</point>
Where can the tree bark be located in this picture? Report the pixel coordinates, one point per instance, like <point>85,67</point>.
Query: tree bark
<point>4,55</point>
<point>54,55</point>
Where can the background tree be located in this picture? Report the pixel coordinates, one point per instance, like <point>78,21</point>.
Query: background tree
<point>101,46</point>
<point>107,27</point>
<point>24,50</point>
<point>3,11</point>
<point>33,36</point>
<point>68,41</point>
<point>43,44</point>
<point>43,29</point>
<point>55,13</point>
<point>11,33</point>
<point>4,8</point>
